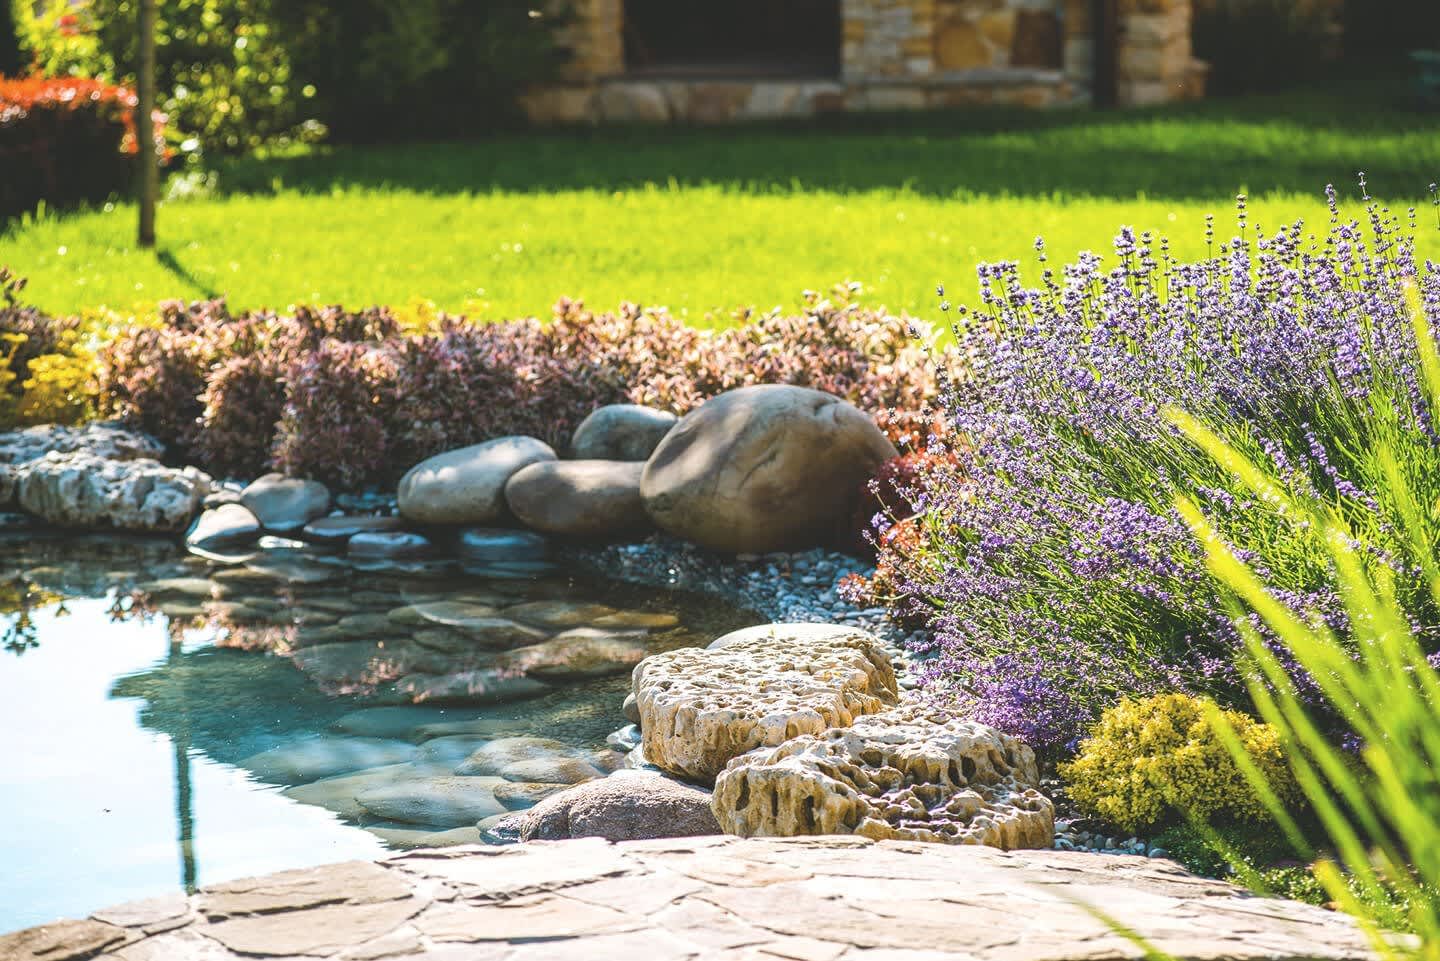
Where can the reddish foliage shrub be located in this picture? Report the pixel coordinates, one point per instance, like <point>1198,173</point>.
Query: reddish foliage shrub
<point>243,401</point>
<point>334,426</point>
<point>64,140</point>
<point>236,394</point>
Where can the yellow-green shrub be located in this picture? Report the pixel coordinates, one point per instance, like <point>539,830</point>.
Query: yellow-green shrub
<point>57,388</point>
<point>1150,760</point>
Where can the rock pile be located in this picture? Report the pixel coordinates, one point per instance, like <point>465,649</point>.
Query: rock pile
<point>100,476</point>
<point>699,708</point>
<point>910,774</point>
<point>752,470</point>
<point>802,731</point>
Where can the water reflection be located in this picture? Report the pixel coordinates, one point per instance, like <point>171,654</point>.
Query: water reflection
<point>151,709</point>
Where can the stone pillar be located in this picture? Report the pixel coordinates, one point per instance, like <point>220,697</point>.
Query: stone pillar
<point>1154,58</point>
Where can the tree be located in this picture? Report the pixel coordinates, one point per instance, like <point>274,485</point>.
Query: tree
<point>145,124</point>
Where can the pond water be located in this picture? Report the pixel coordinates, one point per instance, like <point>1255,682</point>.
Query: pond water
<point>168,721</point>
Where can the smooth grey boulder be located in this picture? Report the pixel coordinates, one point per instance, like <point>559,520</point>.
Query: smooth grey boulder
<point>467,486</point>
<point>621,432</point>
<point>286,504</point>
<point>761,469</point>
<point>626,806</point>
<point>229,525</point>
<point>579,498</point>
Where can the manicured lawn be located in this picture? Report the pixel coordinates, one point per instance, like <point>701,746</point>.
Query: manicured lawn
<point>704,220</point>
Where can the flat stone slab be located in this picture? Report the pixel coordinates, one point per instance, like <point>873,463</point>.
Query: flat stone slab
<point>707,899</point>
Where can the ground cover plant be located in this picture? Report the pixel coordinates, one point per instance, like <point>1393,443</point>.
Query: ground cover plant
<point>1046,554</point>
<point>704,220</point>
<point>356,398</point>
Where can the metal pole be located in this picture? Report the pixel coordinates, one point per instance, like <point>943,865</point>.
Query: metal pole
<point>145,125</point>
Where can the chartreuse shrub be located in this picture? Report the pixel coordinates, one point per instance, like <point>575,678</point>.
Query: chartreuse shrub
<point>1049,559</point>
<point>1157,759</point>
<point>46,370</point>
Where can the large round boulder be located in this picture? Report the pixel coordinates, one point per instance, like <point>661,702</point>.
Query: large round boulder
<point>626,806</point>
<point>579,498</point>
<point>467,486</point>
<point>763,468</point>
<point>621,432</point>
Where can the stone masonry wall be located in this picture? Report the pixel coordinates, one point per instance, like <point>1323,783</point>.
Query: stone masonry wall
<point>895,55</point>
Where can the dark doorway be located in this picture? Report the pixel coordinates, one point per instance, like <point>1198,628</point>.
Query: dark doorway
<point>728,38</point>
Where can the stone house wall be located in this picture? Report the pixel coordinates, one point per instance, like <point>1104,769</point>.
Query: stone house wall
<point>895,55</point>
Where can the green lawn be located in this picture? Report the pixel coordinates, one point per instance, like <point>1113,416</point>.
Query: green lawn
<point>704,220</point>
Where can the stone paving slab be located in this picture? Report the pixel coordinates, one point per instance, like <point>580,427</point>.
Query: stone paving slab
<point>706,899</point>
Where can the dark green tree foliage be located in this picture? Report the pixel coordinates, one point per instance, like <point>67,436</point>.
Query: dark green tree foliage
<point>238,74</point>
<point>1391,26</point>
<point>1257,45</point>
<point>10,58</point>
<point>223,69</point>
<point>433,68</point>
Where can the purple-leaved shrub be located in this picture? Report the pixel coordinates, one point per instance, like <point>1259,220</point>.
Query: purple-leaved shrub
<point>350,399</point>
<point>1051,565</point>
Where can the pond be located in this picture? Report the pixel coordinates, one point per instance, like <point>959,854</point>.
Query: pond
<point>169,721</point>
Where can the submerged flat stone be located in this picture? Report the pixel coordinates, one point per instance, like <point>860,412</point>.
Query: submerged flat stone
<point>721,897</point>
<point>324,757</point>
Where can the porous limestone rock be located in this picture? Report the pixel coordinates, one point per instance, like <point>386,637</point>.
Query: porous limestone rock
<point>579,498</point>
<point>467,486</point>
<point>82,490</point>
<point>104,439</point>
<point>910,774</point>
<point>621,432</point>
<point>286,504</point>
<point>765,468</point>
<point>699,708</point>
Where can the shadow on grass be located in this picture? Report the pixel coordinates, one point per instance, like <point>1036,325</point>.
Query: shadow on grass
<point>1293,142</point>
<point>166,258</point>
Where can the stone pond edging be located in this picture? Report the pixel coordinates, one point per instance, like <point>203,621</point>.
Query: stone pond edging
<point>706,899</point>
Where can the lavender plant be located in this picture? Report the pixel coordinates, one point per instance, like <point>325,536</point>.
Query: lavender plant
<point>1053,568</point>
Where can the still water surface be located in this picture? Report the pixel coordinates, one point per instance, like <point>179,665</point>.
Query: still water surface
<point>136,707</point>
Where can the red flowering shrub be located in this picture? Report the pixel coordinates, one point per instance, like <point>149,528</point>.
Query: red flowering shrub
<point>64,140</point>
<point>238,394</point>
